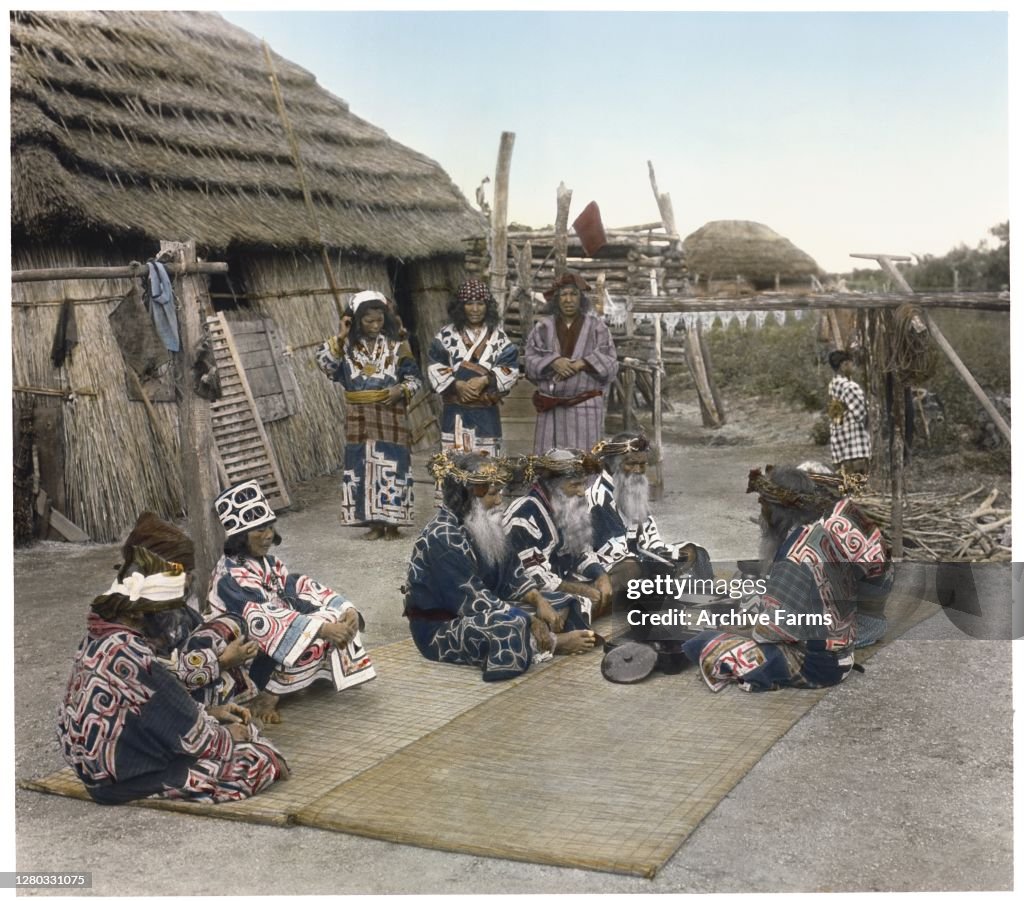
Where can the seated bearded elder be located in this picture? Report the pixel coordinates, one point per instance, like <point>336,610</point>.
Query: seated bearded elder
<point>467,598</point>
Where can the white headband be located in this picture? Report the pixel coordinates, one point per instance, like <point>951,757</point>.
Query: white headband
<point>158,587</point>
<point>366,296</point>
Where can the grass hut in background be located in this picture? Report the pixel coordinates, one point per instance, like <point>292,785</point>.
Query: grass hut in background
<point>129,128</point>
<point>726,251</point>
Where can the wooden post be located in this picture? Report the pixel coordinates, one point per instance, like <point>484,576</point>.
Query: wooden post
<point>659,480</point>
<point>696,353</point>
<point>524,287</point>
<point>899,413</point>
<point>499,222</point>
<point>629,376</point>
<point>198,453</point>
<point>965,374</point>
<point>560,246</point>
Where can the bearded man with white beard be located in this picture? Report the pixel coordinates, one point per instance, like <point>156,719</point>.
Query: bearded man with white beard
<point>551,532</point>
<point>467,598</point>
<point>620,511</point>
<point>802,628</point>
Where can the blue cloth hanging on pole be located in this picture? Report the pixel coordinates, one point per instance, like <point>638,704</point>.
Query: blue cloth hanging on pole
<point>161,307</point>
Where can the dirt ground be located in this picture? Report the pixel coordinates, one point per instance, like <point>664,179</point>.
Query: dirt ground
<point>899,779</point>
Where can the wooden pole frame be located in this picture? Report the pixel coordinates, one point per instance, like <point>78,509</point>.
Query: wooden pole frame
<point>499,222</point>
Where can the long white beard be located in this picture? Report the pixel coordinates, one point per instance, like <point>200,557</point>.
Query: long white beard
<point>488,534</point>
<point>769,545</point>
<point>572,517</point>
<point>632,497</point>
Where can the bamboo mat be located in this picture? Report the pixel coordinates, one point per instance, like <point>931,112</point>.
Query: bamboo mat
<point>328,737</point>
<point>558,766</point>
<point>576,771</point>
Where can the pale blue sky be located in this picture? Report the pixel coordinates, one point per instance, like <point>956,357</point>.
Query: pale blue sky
<point>844,132</point>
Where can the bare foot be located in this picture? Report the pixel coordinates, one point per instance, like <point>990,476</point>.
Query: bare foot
<point>391,534</point>
<point>575,642</point>
<point>374,533</point>
<point>264,706</point>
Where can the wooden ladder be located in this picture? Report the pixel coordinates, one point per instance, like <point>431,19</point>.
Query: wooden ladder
<point>244,451</point>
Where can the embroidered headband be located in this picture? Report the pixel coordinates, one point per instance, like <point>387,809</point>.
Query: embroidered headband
<point>243,507</point>
<point>473,289</point>
<point>569,278</point>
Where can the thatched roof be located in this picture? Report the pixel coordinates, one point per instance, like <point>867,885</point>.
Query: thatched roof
<point>163,125</point>
<point>726,248</point>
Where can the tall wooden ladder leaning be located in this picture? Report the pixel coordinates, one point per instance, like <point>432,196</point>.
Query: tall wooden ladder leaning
<point>243,448</point>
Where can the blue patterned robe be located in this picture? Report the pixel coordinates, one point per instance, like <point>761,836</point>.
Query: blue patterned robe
<point>810,577</point>
<point>538,544</point>
<point>283,613</point>
<point>376,486</point>
<point>455,356</point>
<point>130,730</point>
<point>463,610</point>
<point>615,541</point>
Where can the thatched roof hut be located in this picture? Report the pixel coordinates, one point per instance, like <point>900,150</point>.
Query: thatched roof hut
<point>129,128</point>
<point>727,248</point>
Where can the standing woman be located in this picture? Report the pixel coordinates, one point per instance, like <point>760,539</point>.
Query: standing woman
<point>380,376</point>
<point>473,365</point>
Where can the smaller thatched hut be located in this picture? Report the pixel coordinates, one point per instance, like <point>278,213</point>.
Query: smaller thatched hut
<point>729,248</point>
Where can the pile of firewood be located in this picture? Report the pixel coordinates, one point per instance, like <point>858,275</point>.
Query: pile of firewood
<point>937,527</point>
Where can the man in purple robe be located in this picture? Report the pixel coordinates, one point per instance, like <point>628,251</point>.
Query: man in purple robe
<point>570,357</point>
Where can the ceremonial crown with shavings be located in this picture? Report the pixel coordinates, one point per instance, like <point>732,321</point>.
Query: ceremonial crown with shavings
<point>243,507</point>
<point>559,461</point>
<point>770,491</point>
<point>633,445</point>
<point>494,470</point>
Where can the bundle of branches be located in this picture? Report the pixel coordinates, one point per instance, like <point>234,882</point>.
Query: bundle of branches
<point>944,527</point>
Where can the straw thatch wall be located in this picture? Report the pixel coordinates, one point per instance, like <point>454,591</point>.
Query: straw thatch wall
<point>115,466</point>
<point>727,248</point>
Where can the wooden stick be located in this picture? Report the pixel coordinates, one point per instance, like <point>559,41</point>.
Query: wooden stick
<point>297,160</point>
<point>86,272</point>
<point>499,222</point>
<point>54,392</point>
<point>976,301</point>
<point>965,374</point>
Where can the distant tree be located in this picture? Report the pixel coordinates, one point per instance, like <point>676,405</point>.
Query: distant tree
<point>997,271</point>
<point>981,268</point>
